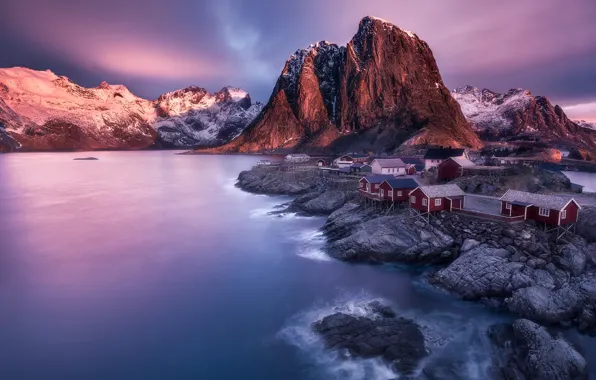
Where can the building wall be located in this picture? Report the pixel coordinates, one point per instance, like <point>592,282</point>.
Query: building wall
<point>363,183</point>
<point>418,203</point>
<point>517,210</point>
<point>504,210</point>
<point>572,214</point>
<point>389,190</point>
<point>457,202</point>
<point>449,170</point>
<point>428,164</point>
<point>443,206</point>
<point>552,219</point>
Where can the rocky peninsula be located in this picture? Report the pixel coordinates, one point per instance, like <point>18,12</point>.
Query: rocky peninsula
<point>515,268</point>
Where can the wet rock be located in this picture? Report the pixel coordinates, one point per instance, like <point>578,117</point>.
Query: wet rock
<point>575,259</point>
<point>274,182</point>
<point>322,203</point>
<point>541,304</point>
<point>480,272</point>
<point>398,341</point>
<point>586,224</point>
<point>469,244</point>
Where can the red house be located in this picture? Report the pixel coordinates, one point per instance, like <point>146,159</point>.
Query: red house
<point>453,168</point>
<point>371,183</point>
<point>547,209</point>
<point>427,199</point>
<point>410,169</point>
<point>397,189</point>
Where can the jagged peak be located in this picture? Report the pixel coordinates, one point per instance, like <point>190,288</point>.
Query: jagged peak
<point>368,21</point>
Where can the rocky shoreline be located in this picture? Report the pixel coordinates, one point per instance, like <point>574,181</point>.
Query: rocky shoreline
<point>515,268</point>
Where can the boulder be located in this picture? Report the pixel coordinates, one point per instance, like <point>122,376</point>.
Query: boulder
<point>540,356</point>
<point>391,239</point>
<point>481,272</point>
<point>575,259</point>
<point>396,340</point>
<point>325,203</point>
<point>541,304</point>
<point>468,245</point>
<point>586,224</point>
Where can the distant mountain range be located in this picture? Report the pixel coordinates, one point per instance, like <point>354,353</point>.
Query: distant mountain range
<point>517,116</point>
<point>42,111</point>
<point>382,92</point>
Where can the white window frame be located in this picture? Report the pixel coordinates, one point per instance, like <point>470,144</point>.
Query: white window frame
<point>564,214</point>
<point>507,206</point>
<point>424,202</point>
<point>368,187</point>
<point>543,212</point>
<point>400,193</point>
<point>438,201</point>
<point>382,192</point>
<point>412,199</point>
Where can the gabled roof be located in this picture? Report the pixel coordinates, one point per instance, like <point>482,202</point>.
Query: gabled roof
<point>462,161</point>
<point>417,162</point>
<point>390,162</point>
<point>379,178</point>
<point>402,183</point>
<point>443,153</point>
<point>551,202</point>
<point>298,155</point>
<point>441,191</point>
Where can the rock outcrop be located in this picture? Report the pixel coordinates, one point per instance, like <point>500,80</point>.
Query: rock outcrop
<point>42,111</point>
<point>532,353</point>
<point>519,116</point>
<point>382,89</point>
<point>396,340</point>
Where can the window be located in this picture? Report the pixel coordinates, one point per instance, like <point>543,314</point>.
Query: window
<point>399,193</point>
<point>424,201</point>
<point>382,192</point>
<point>413,199</point>
<point>543,211</point>
<point>502,161</point>
<point>508,206</point>
<point>438,202</point>
<point>368,187</point>
<point>564,214</point>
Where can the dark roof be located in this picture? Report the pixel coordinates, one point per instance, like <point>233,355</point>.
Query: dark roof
<point>402,183</point>
<point>443,153</point>
<point>357,165</point>
<point>417,162</point>
<point>379,178</point>
<point>345,170</point>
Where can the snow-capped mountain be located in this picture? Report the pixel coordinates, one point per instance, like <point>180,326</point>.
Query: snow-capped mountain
<point>382,89</point>
<point>519,116</point>
<point>586,124</point>
<point>40,110</point>
<point>192,116</point>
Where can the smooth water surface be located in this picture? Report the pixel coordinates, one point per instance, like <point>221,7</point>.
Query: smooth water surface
<point>151,265</point>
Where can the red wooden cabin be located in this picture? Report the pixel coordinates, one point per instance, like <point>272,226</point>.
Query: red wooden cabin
<point>427,199</point>
<point>371,183</point>
<point>453,168</point>
<point>548,209</point>
<point>397,189</point>
<point>410,169</point>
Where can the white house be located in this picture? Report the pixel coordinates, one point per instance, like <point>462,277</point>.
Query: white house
<point>391,166</point>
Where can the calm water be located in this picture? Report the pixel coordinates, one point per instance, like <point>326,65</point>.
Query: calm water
<point>149,265</point>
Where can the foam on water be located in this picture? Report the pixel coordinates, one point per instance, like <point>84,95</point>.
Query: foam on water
<point>311,245</point>
<point>459,347</point>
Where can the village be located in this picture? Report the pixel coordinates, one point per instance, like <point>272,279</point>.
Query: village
<point>425,186</point>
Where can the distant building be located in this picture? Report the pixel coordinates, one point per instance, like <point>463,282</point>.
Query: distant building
<point>297,157</point>
<point>453,168</point>
<point>549,209</point>
<point>263,163</point>
<point>349,159</point>
<point>427,199</point>
<point>391,166</point>
<point>434,156</point>
<point>360,168</point>
<point>322,163</point>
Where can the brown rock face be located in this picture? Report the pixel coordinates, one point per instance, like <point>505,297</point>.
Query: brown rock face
<point>380,91</point>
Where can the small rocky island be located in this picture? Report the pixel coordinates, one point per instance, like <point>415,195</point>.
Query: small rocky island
<point>86,159</point>
<point>517,268</point>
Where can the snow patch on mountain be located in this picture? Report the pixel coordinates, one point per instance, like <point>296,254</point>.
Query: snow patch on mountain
<point>42,105</point>
<point>586,124</point>
<point>488,111</point>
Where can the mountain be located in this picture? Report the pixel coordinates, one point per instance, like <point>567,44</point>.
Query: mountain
<point>586,124</point>
<point>381,90</point>
<point>42,111</point>
<point>519,116</point>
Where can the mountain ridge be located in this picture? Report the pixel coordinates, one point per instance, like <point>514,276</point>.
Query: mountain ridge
<point>44,111</point>
<point>383,88</point>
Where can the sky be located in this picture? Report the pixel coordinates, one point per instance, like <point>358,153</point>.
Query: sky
<point>155,46</point>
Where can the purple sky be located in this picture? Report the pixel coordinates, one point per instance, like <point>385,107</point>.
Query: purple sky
<point>154,46</point>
